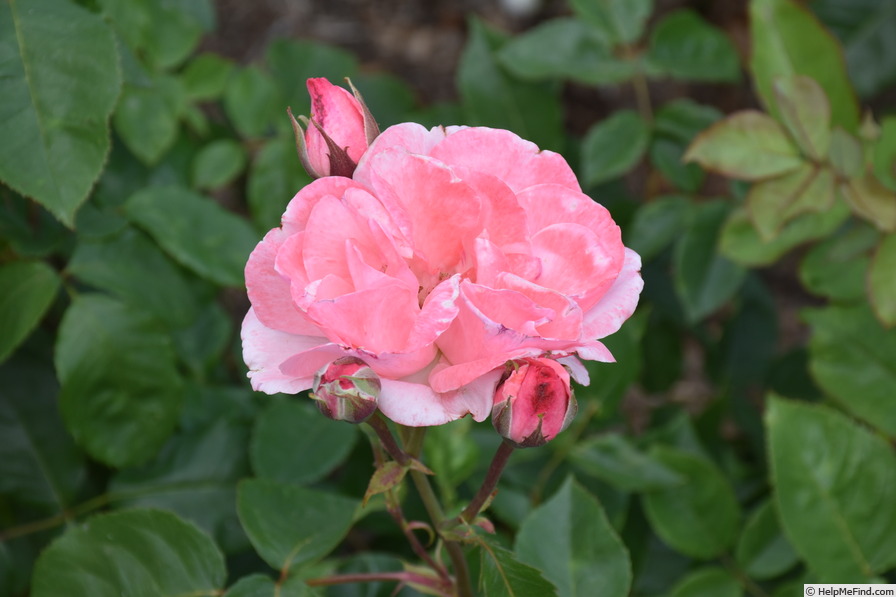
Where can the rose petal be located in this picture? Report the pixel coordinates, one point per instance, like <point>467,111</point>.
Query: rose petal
<point>618,304</point>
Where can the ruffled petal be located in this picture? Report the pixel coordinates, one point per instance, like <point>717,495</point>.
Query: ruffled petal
<point>618,304</point>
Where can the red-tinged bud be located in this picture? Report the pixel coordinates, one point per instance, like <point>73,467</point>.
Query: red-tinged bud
<point>533,403</point>
<point>338,133</point>
<point>346,390</point>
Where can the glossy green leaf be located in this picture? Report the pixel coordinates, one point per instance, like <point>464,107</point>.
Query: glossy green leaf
<point>831,479</point>
<point>254,103</point>
<point>882,281</point>
<point>685,46</point>
<point>704,279</point>
<point>578,52</point>
<point>570,540</point>
<point>747,145</point>
<point>806,113</point>
<point>613,458</point>
<point>60,74</point>
<point>288,431</point>
<point>450,452</point>
<point>707,582</point>
<point>503,575</point>
<point>837,267</point>
<point>218,163</point>
<point>147,116</point>
<point>194,475</point>
<point>121,391</point>
<point>620,21</point>
<point>27,289</point>
<point>613,146</point>
<point>139,553</point>
<point>763,551</point>
<point>700,517</point>
<point>885,154</point>
<point>851,358</point>
<point>200,345</point>
<point>108,264</point>
<point>787,40</point>
<point>39,462</point>
<point>195,231</point>
<point>290,525</point>
<point>865,28</point>
<point>493,98</point>
<point>776,201</point>
<point>657,224</point>
<point>675,125</point>
<point>259,585</point>
<point>275,176</point>
<point>741,243</point>
<point>205,77</point>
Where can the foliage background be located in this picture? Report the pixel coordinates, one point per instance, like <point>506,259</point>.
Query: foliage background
<point>743,444</point>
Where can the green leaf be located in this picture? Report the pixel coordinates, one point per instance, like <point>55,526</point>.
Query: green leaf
<point>503,575</point>
<point>763,551</point>
<point>603,156</point>
<point>741,243</point>
<point>205,77</point>
<point>885,154</point>
<point>700,517</point>
<point>27,290</point>
<point>108,264</point>
<point>747,145</point>
<point>492,98</point>
<point>218,163</point>
<point>675,126</point>
<point>140,553</point>
<point>865,27</point>
<point>287,431</point>
<point>259,585</point>
<point>707,582</point>
<point>201,344</point>
<point>620,21</point>
<point>787,40</point>
<point>570,540</point>
<point>872,201</point>
<point>837,267</point>
<point>831,478</point>
<point>195,231</point>
<point>614,459</point>
<point>610,381</point>
<point>289,525</point>
<point>275,176</point>
<point>121,391</point>
<point>657,224</point>
<point>39,462</point>
<point>806,113</point>
<point>846,154</point>
<point>882,281</point>
<point>578,52</point>
<point>705,279</point>
<point>685,46</point>
<point>254,103</point>
<point>147,116</point>
<point>450,452</point>
<point>194,475</point>
<point>60,74</point>
<point>776,201</point>
<point>852,358</point>
<point>292,62</point>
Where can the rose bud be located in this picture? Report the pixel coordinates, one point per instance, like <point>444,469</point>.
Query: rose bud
<point>338,133</point>
<point>346,390</point>
<point>533,403</point>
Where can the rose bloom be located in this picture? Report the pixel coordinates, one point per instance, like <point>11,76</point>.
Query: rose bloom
<point>448,253</point>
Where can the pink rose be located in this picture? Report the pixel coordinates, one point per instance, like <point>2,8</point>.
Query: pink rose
<point>534,403</point>
<point>447,253</point>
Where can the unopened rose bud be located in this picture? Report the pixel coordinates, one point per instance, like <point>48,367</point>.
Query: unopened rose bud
<point>533,403</point>
<point>346,390</point>
<point>338,133</point>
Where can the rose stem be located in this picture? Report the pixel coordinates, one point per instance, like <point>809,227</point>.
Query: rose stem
<point>489,483</point>
<point>414,444</point>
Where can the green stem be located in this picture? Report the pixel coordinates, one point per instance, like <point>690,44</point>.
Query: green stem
<point>414,442</point>
<point>502,455</point>
<point>378,424</point>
